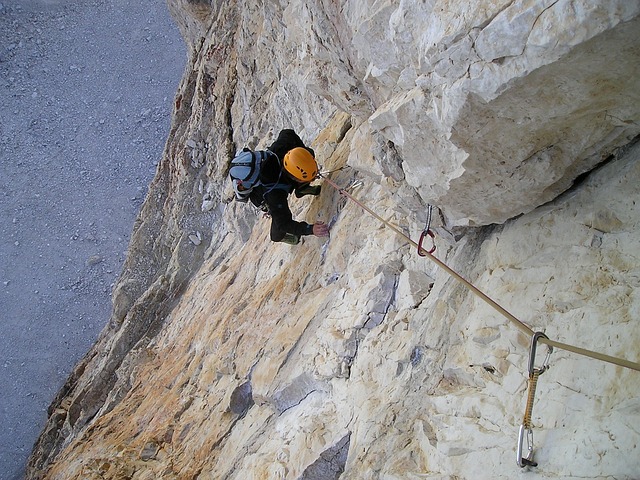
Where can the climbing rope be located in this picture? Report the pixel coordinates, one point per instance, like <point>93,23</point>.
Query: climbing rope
<point>515,321</point>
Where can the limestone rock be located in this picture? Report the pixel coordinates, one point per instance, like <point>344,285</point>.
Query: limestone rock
<point>241,399</point>
<point>413,287</point>
<point>228,356</point>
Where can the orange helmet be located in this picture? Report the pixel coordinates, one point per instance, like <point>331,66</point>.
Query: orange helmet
<point>300,164</point>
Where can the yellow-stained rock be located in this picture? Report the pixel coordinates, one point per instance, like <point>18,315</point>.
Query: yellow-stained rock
<point>228,356</point>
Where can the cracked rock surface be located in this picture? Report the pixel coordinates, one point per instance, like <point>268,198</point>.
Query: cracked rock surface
<point>228,356</point>
<point>86,95</point>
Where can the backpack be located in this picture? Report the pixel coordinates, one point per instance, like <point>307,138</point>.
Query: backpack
<point>245,174</point>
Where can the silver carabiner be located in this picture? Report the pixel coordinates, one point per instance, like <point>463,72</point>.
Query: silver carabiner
<point>528,460</point>
<point>532,354</point>
<point>355,184</point>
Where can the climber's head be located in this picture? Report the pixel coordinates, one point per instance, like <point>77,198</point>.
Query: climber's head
<point>300,164</point>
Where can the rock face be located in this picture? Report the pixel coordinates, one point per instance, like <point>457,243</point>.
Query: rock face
<point>228,356</point>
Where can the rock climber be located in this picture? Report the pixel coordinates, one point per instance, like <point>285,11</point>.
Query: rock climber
<point>287,166</point>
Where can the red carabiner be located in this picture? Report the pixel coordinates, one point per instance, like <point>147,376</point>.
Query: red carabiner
<point>420,249</point>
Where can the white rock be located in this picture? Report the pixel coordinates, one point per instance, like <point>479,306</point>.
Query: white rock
<point>413,287</point>
<point>196,238</point>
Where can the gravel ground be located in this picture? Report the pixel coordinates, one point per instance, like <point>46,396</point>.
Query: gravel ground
<point>86,95</point>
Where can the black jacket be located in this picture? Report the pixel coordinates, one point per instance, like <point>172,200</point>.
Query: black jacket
<point>276,186</point>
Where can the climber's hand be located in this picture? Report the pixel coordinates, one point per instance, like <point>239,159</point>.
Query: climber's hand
<point>320,229</point>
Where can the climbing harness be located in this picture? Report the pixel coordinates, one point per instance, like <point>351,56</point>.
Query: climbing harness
<point>427,232</point>
<point>525,428</point>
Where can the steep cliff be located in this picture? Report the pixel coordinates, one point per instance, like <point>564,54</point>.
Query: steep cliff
<point>228,356</point>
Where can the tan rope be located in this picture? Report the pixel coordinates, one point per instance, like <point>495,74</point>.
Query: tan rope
<point>519,324</point>
<point>590,353</point>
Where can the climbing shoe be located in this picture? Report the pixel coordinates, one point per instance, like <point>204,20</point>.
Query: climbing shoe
<point>308,190</point>
<point>291,239</point>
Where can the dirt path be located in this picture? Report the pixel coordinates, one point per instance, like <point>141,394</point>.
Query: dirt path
<point>86,90</point>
